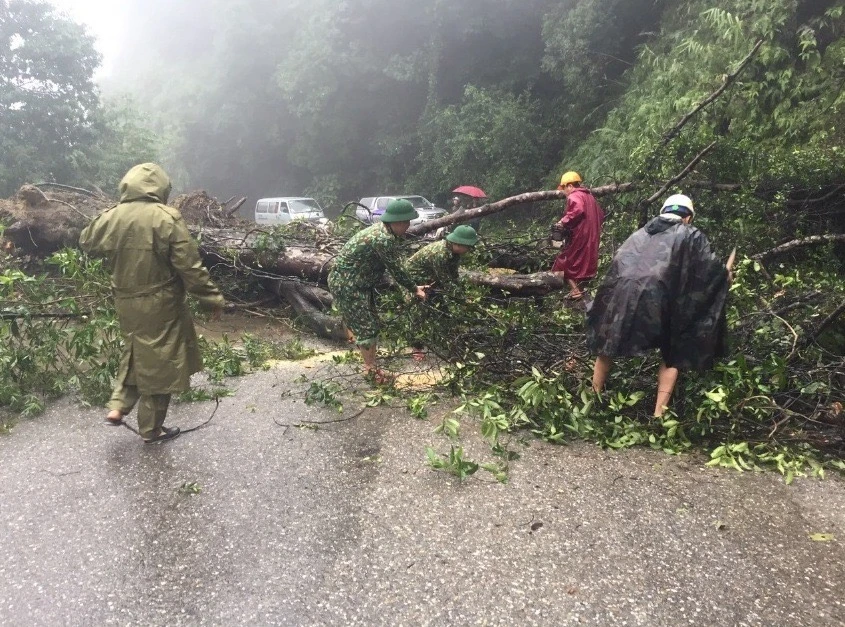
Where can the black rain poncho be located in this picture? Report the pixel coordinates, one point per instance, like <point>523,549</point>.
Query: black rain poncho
<point>665,289</point>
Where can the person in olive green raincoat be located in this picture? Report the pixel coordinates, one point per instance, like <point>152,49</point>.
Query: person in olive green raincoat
<point>154,263</point>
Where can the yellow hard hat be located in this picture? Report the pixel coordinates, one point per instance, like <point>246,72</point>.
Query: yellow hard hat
<point>569,177</point>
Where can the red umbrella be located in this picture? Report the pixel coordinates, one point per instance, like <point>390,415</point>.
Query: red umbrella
<point>469,190</point>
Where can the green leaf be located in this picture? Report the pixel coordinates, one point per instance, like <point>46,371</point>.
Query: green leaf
<point>822,537</point>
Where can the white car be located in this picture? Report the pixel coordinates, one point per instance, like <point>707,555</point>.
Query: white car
<point>275,211</point>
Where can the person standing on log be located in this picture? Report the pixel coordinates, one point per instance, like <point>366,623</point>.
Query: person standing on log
<point>359,268</point>
<point>580,227</point>
<point>154,262</point>
<point>665,290</point>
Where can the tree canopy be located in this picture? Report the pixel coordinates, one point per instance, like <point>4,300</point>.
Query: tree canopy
<point>54,124</point>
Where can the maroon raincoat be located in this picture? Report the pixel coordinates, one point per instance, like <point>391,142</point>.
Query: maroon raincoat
<point>579,259</point>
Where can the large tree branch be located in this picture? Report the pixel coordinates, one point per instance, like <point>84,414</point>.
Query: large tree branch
<point>827,322</point>
<point>813,240</point>
<point>507,203</point>
<point>815,201</point>
<point>716,187</point>
<point>675,179</point>
<point>536,284</point>
<point>730,78</point>
<point>69,188</point>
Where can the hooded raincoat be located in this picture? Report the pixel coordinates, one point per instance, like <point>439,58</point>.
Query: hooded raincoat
<point>665,289</point>
<point>579,259</point>
<point>154,262</point>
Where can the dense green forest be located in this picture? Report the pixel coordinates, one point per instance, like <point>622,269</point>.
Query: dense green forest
<point>343,99</point>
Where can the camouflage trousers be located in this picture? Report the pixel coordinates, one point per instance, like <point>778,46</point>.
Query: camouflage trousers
<point>358,309</point>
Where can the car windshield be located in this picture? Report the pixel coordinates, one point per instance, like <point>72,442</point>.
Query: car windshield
<point>305,205</point>
<point>418,201</point>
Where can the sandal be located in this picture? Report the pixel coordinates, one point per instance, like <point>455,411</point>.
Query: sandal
<point>166,434</point>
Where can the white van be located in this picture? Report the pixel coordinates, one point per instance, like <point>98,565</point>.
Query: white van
<point>274,211</point>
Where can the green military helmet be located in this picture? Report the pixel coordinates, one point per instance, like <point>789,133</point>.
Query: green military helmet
<point>399,210</point>
<point>463,234</point>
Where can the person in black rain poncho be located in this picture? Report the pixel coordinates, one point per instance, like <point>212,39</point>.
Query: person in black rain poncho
<point>665,289</point>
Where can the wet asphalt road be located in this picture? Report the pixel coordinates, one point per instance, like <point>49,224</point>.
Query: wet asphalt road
<point>346,525</point>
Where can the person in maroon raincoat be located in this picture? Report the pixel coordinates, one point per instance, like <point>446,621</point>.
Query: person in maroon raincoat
<point>580,227</point>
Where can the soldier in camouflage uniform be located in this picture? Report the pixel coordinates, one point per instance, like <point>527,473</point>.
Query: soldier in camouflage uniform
<point>359,268</point>
<point>665,289</point>
<point>438,263</point>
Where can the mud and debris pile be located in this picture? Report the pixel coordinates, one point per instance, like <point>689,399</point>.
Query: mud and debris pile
<point>197,207</point>
<point>42,220</point>
<point>200,209</point>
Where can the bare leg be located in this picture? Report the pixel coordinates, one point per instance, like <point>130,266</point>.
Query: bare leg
<point>123,399</point>
<point>368,353</point>
<point>666,379</point>
<point>574,290</point>
<point>600,370</point>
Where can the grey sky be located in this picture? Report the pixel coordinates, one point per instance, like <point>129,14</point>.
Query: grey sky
<point>104,19</point>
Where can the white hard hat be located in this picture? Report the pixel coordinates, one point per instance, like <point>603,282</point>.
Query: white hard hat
<point>676,202</point>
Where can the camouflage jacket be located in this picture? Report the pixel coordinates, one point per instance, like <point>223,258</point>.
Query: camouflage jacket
<point>665,289</point>
<point>434,263</point>
<point>364,258</point>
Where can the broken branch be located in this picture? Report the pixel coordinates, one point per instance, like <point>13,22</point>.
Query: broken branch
<point>730,78</point>
<point>675,179</point>
<point>827,322</point>
<point>813,240</point>
<point>815,201</point>
<point>69,188</point>
<point>231,211</point>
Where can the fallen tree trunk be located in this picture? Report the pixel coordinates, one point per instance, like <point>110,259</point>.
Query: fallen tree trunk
<point>295,264</point>
<point>537,284</point>
<point>230,211</point>
<point>296,294</point>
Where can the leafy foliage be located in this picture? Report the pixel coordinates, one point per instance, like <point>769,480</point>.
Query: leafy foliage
<point>492,136</point>
<point>454,463</point>
<point>43,357</point>
<point>773,404</point>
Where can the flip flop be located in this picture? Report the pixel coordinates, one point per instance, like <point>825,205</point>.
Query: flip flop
<point>166,434</point>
